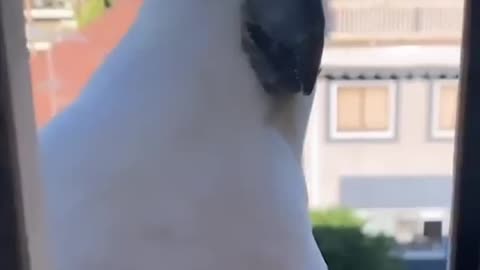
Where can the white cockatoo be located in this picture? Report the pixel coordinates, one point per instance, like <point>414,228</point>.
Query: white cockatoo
<point>183,151</point>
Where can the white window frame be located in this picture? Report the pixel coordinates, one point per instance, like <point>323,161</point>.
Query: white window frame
<point>362,135</point>
<point>50,14</point>
<point>39,46</point>
<point>435,130</point>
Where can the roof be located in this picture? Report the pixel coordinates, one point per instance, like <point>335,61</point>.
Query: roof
<point>75,60</point>
<point>391,62</point>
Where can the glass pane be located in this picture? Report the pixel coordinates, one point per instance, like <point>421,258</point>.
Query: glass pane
<point>448,107</point>
<point>350,109</point>
<point>116,75</point>
<point>377,108</point>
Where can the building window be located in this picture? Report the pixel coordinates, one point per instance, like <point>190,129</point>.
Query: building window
<point>444,109</point>
<point>432,230</point>
<point>362,110</point>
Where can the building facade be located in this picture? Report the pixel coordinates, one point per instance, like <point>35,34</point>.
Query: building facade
<point>381,133</point>
<point>381,137</point>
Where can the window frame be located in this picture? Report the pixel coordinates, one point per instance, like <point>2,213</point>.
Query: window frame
<point>434,124</point>
<point>336,135</point>
<point>465,238</point>
<point>23,204</point>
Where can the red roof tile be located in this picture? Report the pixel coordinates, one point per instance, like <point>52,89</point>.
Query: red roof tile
<point>74,61</point>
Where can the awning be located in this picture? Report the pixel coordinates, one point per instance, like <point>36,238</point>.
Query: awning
<point>426,191</point>
<point>393,62</point>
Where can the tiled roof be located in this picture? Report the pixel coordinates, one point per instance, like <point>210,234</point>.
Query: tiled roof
<point>75,61</point>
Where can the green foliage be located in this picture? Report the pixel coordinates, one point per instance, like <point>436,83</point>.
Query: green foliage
<point>339,235</point>
<point>90,11</point>
<point>341,217</point>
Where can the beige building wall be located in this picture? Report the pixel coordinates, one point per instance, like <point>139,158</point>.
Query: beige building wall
<point>412,152</point>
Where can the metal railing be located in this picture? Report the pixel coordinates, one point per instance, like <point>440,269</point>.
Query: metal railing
<point>51,4</point>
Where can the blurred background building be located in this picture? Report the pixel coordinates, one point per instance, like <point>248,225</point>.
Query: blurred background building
<point>380,137</point>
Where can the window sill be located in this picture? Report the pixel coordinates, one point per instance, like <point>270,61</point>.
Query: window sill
<point>442,135</point>
<point>362,136</point>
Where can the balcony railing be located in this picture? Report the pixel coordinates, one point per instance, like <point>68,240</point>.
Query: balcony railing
<point>387,19</point>
<point>50,14</point>
<point>51,4</point>
<point>50,9</point>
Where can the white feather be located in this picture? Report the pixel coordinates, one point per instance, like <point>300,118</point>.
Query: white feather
<point>170,159</point>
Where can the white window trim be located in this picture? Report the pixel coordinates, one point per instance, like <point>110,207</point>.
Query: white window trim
<point>50,13</point>
<point>39,46</point>
<point>435,130</point>
<point>362,135</point>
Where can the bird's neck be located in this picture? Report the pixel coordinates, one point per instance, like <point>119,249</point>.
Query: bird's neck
<point>156,15</point>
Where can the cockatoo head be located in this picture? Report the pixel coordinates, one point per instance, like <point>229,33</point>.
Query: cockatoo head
<point>284,40</point>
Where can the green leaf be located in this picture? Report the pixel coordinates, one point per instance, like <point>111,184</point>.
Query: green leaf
<point>89,11</point>
<point>340,217</point>
<point>338,233</point>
